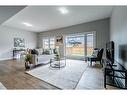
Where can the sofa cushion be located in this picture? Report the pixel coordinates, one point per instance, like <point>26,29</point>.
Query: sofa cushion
<point>40,51</point>
<point>44,58</point>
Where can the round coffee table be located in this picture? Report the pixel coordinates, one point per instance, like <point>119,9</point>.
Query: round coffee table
<point>58,63</point>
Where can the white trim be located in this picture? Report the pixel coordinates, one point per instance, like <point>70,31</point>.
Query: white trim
<point>2,59</point>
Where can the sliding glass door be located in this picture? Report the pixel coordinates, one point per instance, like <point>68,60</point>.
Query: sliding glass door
<point>78,46</point>
<point>75,45</point>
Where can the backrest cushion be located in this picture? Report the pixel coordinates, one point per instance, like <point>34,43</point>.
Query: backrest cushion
<point>40,51</point>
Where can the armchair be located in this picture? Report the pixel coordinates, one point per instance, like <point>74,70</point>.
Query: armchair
<point>98,57</point>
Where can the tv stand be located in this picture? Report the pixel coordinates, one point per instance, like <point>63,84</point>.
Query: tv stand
<point>115,75</point>
<point>114,65</point>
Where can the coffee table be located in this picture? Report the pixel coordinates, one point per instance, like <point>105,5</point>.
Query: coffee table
<point>58,63</point>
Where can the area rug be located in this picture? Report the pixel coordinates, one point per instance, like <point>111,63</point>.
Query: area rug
<point>64,78</point>
<point>2,87</point>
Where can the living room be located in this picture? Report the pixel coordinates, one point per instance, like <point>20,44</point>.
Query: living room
<point>67,33</point>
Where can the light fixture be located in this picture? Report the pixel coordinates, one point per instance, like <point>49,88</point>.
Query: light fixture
<point>63,10</point>
<point>27,24</point>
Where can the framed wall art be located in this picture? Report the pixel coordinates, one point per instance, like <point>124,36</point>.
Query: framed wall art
<point>19,42</point>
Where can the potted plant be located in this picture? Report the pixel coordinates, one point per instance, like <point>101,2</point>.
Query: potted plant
<point>28,61</point>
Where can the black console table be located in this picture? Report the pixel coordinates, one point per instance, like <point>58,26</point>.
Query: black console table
<point>115,75</point>
<point>15,51</point>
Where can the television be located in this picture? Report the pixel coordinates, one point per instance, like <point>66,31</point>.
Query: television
<point>110,52</point>
<point>123,55</point>
<point>123,52</point>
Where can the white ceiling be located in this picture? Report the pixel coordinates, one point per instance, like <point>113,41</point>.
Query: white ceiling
<point>44,18</point>
<point>8,11</point>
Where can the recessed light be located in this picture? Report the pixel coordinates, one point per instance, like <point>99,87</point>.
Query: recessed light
<point>27,24</point>
<point>63,10</point>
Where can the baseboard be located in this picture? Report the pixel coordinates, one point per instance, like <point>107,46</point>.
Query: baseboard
<point>3,59</point>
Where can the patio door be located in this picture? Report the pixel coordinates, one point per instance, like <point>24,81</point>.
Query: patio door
<point>78,46</point>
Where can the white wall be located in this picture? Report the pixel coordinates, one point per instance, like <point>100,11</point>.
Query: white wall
<point>7,40</point>
<point>119,29</point>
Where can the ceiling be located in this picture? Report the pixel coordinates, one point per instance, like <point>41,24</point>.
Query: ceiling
<point>44,18</point>
<point>8,11</point>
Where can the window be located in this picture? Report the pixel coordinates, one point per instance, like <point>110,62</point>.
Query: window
<point>48,43</point>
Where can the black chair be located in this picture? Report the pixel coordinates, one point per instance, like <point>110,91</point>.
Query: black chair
<point>96,58</point>
<point>93,54</point>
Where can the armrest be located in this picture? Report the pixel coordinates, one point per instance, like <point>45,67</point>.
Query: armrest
<point>34,59</point>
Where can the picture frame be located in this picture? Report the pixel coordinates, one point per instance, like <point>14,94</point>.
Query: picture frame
<point>59,40</point>
<point>19,42</point>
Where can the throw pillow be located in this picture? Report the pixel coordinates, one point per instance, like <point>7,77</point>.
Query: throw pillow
<point>34,52</point>
<point>46,51</point>
<point>95,52</point>
<point>55,51</point>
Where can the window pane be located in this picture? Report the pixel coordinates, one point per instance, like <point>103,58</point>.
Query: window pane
<point>89,44</point>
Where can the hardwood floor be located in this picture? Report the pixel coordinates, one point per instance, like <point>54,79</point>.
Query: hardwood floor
<point>13,76</point>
